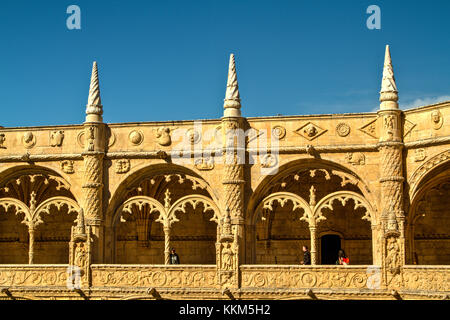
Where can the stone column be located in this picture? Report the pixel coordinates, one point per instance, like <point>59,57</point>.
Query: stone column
<point>166,244</point>
<point>31,230</point>
<point>94,151</point>
<point>391,173</point>
<point>314,252</point>
<point>232,241</point>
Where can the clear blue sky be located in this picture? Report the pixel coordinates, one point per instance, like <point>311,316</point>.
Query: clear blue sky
<point>168,60</point>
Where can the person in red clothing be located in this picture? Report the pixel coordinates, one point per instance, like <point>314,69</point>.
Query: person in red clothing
<point>342,258</point>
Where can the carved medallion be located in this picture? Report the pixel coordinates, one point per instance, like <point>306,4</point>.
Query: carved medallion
<point>136,137</point>
<point>80,139</point>
<point>355,158</point>
<point>2,141</point>
<point>269,161</point>
<point>310,131</point>
<point>204,164</point>
<point>343,129</point>
<point>112,139</point>
<point>193,136</point>
<point>279,132</point>
<point>436,119</point>
<point>67,166</point>
<point>123,166</point>
<point>163,136</point>
<point>29,140</point>
<point>370,128</point>
<point>420,154</point>
<point>56,138</point>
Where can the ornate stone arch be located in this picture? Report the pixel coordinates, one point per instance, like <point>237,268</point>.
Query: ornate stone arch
<point>346,175</point>
<point>423,172</point>
<point>140,201</point>
<point>282,198</point>
<point>19,206</point>
<point>145,170</point>
<point>194,201</point>
<point>343,197</point>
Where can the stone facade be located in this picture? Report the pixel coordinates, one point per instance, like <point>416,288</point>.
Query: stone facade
<point>92,211</point>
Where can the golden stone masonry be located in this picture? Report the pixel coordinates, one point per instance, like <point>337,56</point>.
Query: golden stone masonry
<point>93,211</point>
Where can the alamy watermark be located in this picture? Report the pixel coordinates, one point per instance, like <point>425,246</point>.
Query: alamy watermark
<point>374,20</point>
<point>73,22</point>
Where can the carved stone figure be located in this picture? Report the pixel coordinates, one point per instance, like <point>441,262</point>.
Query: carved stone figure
<point>163,136</point>
<point>204,164</point>
<point>29,140</point>
<point>2,141</point>
<point>436,119</point>
<point>91,139</point>
<point>420,154</point>
<point>56,138</point>
<point>393,259</point>
<point>227,256</point>
<point>67,166</point>
<point>356,158</point>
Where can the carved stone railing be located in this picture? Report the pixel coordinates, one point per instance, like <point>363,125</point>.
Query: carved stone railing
<point>33,275</point>
<point>426,278</point>
<point>156,276</point>
<point>304,277</point>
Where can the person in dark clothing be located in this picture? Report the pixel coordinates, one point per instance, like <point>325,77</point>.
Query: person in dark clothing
<point>174,258</point>
<point>306,256</point>
<point>342,258</point>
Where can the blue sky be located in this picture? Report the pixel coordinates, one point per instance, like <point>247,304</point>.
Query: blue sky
<point>168,60</point>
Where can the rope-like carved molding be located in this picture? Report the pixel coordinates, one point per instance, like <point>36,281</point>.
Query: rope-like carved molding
<point>427,167</point>
<point>40,157</point>
<point>284,197</point>
<point>343,197</point>
<point>58,202</point>
<point>194,201</point>
<point>427,142</point>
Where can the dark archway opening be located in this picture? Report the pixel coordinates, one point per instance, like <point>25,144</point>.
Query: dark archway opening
<point>330,245</point>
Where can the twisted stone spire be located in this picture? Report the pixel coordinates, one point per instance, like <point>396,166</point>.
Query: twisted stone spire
<point>80,228</point>
<point>232,103</point>
<point>388,86</point>
<point>94,108</point>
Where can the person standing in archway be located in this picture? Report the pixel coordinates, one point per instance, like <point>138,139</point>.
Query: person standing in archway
<point>342,258</point>
<point>174,259</point>
<point>306,256</point>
